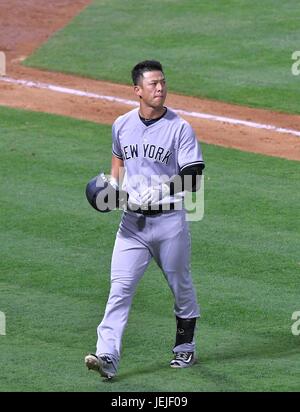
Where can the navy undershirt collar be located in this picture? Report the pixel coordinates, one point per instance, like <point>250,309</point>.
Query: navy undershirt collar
<point>151,121</point>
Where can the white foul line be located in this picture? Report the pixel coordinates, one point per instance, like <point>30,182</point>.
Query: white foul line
<point>75,92</point>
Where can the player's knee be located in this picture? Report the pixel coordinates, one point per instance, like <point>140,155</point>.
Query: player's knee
<point>122,289</point>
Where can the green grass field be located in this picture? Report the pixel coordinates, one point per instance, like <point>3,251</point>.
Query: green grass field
<point>55,259</point>
<point>236,51</point>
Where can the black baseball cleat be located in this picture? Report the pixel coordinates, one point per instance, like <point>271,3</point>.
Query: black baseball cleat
<point>183,360</point>
<point>102,364</point>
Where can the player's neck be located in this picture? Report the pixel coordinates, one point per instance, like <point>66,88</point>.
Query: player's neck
<point>149,113</point>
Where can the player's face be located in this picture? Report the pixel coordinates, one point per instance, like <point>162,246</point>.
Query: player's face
<point>152,89</point>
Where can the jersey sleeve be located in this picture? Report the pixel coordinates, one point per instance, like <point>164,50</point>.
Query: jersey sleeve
<point>189,150</point>
<point>116,147</point>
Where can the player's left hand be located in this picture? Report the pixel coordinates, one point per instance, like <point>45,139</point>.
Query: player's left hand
<point>154,194</point>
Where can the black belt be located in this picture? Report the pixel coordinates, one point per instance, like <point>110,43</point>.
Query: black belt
<point>154,211</point>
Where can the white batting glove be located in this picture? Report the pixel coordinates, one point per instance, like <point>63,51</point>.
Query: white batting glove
<point>154,194</point>
<point>113,181</point>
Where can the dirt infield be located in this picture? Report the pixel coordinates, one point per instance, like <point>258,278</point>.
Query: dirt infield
<point>26,24</point>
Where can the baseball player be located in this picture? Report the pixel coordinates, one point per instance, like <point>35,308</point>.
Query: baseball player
<point>156,156</point>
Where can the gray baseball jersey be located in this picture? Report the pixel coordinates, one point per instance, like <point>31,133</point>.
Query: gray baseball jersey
<point>151,154</point>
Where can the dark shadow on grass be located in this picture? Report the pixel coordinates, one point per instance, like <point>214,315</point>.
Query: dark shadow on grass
<point>223,382</point>
<point>273,346</point>
<point>139,371</point>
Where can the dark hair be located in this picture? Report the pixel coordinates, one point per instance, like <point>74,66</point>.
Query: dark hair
<point>145,66</point>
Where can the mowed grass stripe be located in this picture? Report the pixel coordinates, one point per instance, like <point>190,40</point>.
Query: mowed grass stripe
<point>233,51</point>
<point>55,260</point>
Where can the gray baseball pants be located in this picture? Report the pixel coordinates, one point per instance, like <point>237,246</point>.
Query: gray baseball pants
<point>166,238</point>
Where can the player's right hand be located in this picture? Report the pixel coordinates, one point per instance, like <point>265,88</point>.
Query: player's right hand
<point>154,194</point>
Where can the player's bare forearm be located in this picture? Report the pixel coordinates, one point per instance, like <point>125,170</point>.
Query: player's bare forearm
<point>117,168</point>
